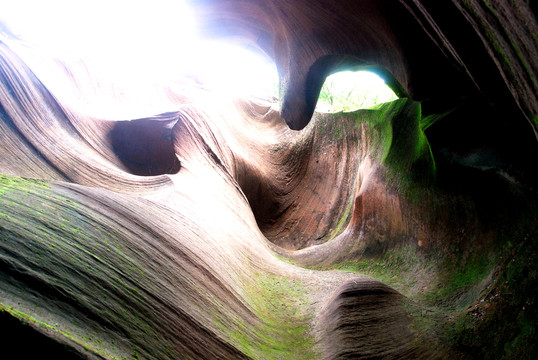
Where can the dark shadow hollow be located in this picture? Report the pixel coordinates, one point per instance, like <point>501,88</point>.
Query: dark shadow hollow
<point>145,146</point>
<point>24,342</point>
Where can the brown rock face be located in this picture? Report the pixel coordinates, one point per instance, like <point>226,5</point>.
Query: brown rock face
<point>219,231</point>
<point>441,52</point>
<point>145,146</point>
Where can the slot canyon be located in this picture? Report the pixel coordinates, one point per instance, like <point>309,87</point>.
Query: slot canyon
<point>243,228</point>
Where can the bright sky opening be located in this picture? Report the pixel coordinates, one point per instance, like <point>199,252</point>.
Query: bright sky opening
<point>352,90</point>
<point>153,40</point>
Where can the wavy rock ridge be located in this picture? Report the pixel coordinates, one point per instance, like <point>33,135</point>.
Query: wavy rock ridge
<point>213,231</point>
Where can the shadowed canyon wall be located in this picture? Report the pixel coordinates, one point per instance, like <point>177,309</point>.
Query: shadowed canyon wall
<point>228,229</point>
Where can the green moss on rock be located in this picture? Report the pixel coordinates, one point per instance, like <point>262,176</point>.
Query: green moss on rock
<point>281,304</point>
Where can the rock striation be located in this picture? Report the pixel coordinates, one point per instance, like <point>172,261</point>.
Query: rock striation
<point>219,231</point>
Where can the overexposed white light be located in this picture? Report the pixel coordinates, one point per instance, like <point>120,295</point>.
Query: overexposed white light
<point>357,79</point>
<point>83,27</point>
<point>138,39</point>
<point>352,90</point>
<point>237,71</point>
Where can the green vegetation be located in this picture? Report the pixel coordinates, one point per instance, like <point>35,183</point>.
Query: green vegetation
<point>456,302</point>
<point>283,332</point>
<point>403,268</point>
<point>348,91</point>
<point>457,277</point>
<point>417,275</point>
<point>344,219</point>
<point>397,141</point>
<point>8,182</point>
<point>42,229</point>
<point>285,259</point>
<point>481,331</point>
<point>29,320</point>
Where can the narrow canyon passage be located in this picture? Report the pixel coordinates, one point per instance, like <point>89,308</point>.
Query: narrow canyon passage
<point>241,228</point>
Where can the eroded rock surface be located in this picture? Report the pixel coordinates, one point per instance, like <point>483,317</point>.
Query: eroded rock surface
<point>216,231</point>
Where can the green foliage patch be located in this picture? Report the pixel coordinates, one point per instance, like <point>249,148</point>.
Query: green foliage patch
<point>399,267</point>
<point>8,182</point>
<point>281,304</point>
<point>348,91</point>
